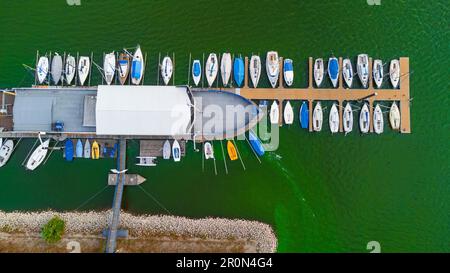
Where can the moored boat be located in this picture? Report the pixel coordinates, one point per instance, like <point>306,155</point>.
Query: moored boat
<point>70,69</point>
<point>95,150</point>
<point>167,150</point>
<point>238,71</point>
<point>6,150</point>
<point>137,67</point>
<point>42,69</point>
<point>79,149</point>
<point>166,69</point>
<point>272,67</point>
<point>225,68</point>
<point>363,69</point>
<point>57,67</point>
<point>334,119</point>
<point>38,156</point>
<point>256,143</point>
<point>378,73</point>
<point>84,65</point>
<point>209,151</point>
<point>288,114</point>
<point>364,119</point>
<point>196,71</point>
<point>176,151</point>
<point>68,149</point>
<point>288,72</point>
<point>232,153</point>
<point>274,113</point>
<point>124,67</point>
<point>378,121</point>
<point>87,149</point>
<point>211,69</point>
<point>109,67</point>
<point>394,73</point>
<point>304,115</point>
<point>333,70</point>
<point>318,71</point>
<point>255,70</point>
<point>394,116</point>
<point>347,117</point>
<point>347,72</point>
<point>317,117</point>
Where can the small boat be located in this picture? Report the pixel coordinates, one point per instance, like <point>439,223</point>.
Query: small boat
<point>176,151</point>
<point>288,72</point>
<point>211,68</point>
<point>304,116</point>
<point>333,70</point>
<point>196,71</point>
<point>255,69</point>
<point>225,68</point>
<point>57,67</point>
<point>166,69</point>
<point>232,153</point>
<point>209,151</point>
<point>256,144</point>
<point>347,72</point>
<point>79,149</point>
<point>334,119</point>
<point>274,113</point>
<point>109,67</point>
<point>378,121</point>
<point>146,161</point>
<point>378,72</point>
<point>68,149</point>
<point>347,117</point>
<point>238,71</point>
<point>364,119</point>
<point>84,65</point>
<point>394,73</point>
<point>166,150</point>
<point>288,113</point>
<point>318,71</point>
<point>95,150</point>
<point>87,149</point>
<point>317,117</point>
<point>1,139</point>
<point>6,151</point>
<point>137,67</point>
<point>112,152</point>
<point>38,156</point>
<point>362,68</point>
<point>42,69</point>
<point>272,67</point>
<point>70,69</point>
<point>394,116</point>
<point>124,67</point>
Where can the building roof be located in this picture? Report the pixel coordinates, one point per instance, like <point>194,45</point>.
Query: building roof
<point>143,110</point>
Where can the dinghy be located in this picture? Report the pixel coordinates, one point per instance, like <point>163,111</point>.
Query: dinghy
<point>56,68</point>
<point>137,67</point>
<point>378,73</point>
<point>363,69</point>
<point>176,151</point>
<point>166,69</point>
<point>225,68</point>
<point>318,71</point>
<point>84,65</point>
<point>333,120</point>
<point>42,69</point>
<point>87,149</point>
<point>166,150</point>
<point>109,67</point>
<point>79,149</point>
<point>333,70</point>
<point>347,72</point>
<point>317,117</point>
<point>38,156</point>
<point>256,144</point>
<point>394,116</point>
<point>274,113</point>
<point>124,67</point>
<point>196,71</point>
<point>394,73</point>
<point>378,121</point>
<point>288,72</point>
<point>272,67</point>
<point>68,149</point>
<point>255,70</point>
<point>364,119</point>
<point>70,68</point>
<point>348,118</point>
<point>211,68</point>
<point>6,151</point>
<point>209,152</point>
<point>232,153</point>
<point>95,150</point>
<point>238,71</point>
<point>288,114</point>
<point>304,115</point>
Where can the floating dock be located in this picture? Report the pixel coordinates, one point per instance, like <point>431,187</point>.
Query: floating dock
<point>130,179</point>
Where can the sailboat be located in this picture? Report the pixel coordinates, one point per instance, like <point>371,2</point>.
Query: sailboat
<point>318,71</point>
<point>363,69</point>
<point>394,116</point>
<point>378,121</point>
<point>274,113</point>
<point>38,156</point>
<point>364,119</point>
<point>196,71</point>
<point>272,67</point>
<point>42,69</point>
<point>209,151</point>
<point>288,72</point>
<point>68,149</point>
<point>79,149</point>
<point>238,70</point>
<point>347,72</point>
<point>176,151</point>
<point>394,73</point>
<point>166,69</point>
<point>6,151</point>
<point>56,68</point>
<point>166,150</point>
<point>84,65</point>
<point>317,117</point>
<point>288,114</point>
<point>333,70</point>
<point>304,115</point>
<point>70,69</point>
<point>87,149</point>
<point>378,72</point>
<point>124,67</point>
<point>333,120</point>
<point>109,67</point>
<point>211,68</point>
<point>137,66</point>
<point>255,70</point>
<point>232,153</point>
<point>348,118</point>
<point>225,68</point>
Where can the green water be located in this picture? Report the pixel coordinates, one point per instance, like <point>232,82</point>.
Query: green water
<point>319,192</point>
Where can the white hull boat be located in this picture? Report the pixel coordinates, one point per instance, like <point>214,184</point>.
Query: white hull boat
<point>317,117</point>
<point>38,156</point>
<point>274,113</point>
<point>109,67</point>
<point>6,151</point>
<point>84,65</point>
<point>211,68</point>
<point>394,73</point>
<point>394,116</point>
<point>347,72</point>
<point>363,69</point>
<point>347,117</point>
<point>288,114</point>
<point>272,67</point>
<point>137,67</point>
<point>334,119</point>
<point>166,150</point>
<point>176,151</point>
<point>378,73</point>
<point>225,68</point>
<point>378,121</point>
<point>70,69</point>
<point>87,149</point>
<point>318,71</point>
<point>209,151</point>
<point>42,69</point>
<point>364,119</point>
<point>255,70</point>
<point>288,72</point>
<point>196,72</point>
<point>146,161</point>
<point>166,69</point>
<point>57,67</point>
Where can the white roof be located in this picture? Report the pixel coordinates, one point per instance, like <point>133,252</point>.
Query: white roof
<point>143,110</point>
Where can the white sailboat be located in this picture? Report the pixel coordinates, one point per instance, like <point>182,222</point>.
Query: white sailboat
<point>211,68</point>
<point>137,66</point>
<point>394,73</point>
<point>255,70</point>
<point>347,72</point>
<point>84,65</point>
<point>209,151</point>
<point>109,67</point>
<point>378,121</point>
<point>394,116</point>
<point>176,151</point>
<point>57,67</point>
<point>288,114</point>
<point>225,68</point>
<point>42,69</point>
<point>6,151</point>
<point>87,149</point>
<point>317,117</point>
<point>70,69</point>
<point>364,119</point>
<point>318,71</point>
<point>274,113</point>
<point>363,69</point>
<point>272,67</point>
<point>167,150</point>
<point>38,155</point>
<point>347,117</point>
<point>166,69</point>
<point>378,72</point>
<point>334,119</point>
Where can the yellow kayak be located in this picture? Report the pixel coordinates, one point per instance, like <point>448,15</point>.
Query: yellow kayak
<point>232,151</point>
<point>95,150</point>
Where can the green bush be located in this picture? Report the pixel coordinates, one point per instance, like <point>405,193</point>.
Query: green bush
<point>53,230</point>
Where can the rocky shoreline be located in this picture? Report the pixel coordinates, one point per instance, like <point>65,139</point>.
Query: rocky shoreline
<point>94,222</point>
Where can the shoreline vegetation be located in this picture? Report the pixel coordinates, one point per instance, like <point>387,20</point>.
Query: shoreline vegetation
<point>20,232</point>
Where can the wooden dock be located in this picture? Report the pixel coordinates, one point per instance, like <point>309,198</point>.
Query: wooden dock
<point>130,179</point>
<point>155,147</point>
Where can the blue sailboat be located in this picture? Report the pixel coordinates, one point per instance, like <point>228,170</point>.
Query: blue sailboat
<point>79,149</point>
<point>68,151</point>
<point>238,71</point>
<point>304,116</point>
<point>256,144</point>
<point>333,70</point>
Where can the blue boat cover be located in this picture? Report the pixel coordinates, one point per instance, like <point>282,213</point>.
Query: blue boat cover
<point>238,71</point>
<point>288,66</point>
<point>256,144</point>
<point>334,68</point>
<point>136,69</point>
<point>304,116</point>
<point>123,62</point>
<point>79,150</point>
<point>112,153</point>
<point>196,69</point>
<point>68,149</point>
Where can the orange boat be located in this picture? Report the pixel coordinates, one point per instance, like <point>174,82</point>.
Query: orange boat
<point>232,151</point>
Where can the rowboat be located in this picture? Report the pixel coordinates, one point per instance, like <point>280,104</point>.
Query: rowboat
<point>166,150</point>
<point>42,69</point>
<point>304,116</point>
<point>378,121</point>
<point>57,67</point>
<point>274,113</point>
<point>211,68</point>
<point>166,69</point>
<point>6,151</point>
<point>364,119</point>
<point>363,69</point>
<point>318,71</point>
<point>196,71</point>
<point>378,72</point>
<point>209,151</point>
<point>347,72</point>
<point>256,144</point>
<point>176,151</point>
<point>272,67</point>
<point>333,70</point>
<point>348,118</point>
<point>70,69</point>
<point>255,69</point>
<point>95,150</point>
<point>87,149</point>
<point>288,113</point>
<point>79,149</point>
<point>238,71</point>
<point>124,67</point>
<point>109,67</point>
<point>394,116</point>
<point>84,65</point>
<point>68,149</point>
<point>333,120</point>
<point>38,156</point>
<point>232,153</point>
<point>225,68</point>
<point>137,67</point>
<point>317,117</point>
<point>394,73</point>
<point>288,72</point>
